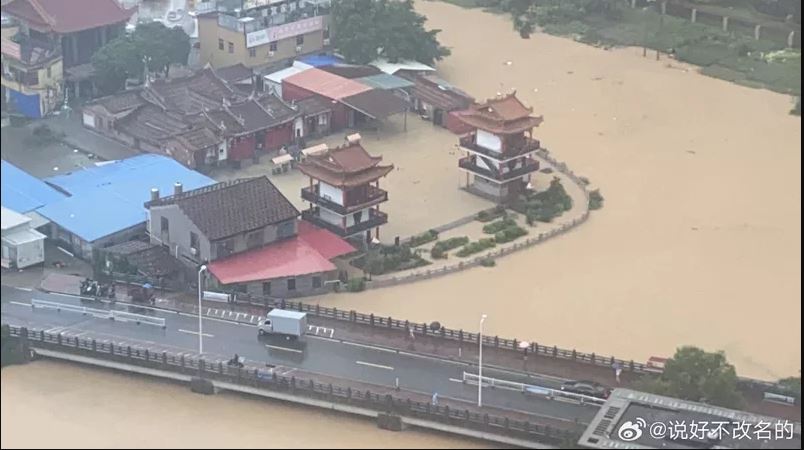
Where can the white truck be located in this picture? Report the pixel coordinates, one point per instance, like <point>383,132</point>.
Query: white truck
<point>280,322</point>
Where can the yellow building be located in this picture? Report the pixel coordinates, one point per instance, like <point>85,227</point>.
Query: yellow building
<point>32,76</point>
<point>259,33</point>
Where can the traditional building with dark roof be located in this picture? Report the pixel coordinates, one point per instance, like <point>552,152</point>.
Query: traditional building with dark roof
<point>248,234</point>
<point>498,161</point>
<point>344,192</point>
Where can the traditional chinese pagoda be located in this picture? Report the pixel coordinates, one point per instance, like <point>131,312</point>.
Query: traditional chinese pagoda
<point>498,160</point>
<point>344,192</point>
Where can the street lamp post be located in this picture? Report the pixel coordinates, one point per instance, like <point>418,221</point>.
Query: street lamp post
<point>480,364</point>
<point>201,270</point>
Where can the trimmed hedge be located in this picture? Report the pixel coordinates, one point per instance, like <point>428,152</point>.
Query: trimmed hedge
<point>441,248</point>
<point>595,199</point>
<point>491,214</point>
<point>509,234</point>
<point>476,247</point>
<point>421,239</point>
<point>499,225</point>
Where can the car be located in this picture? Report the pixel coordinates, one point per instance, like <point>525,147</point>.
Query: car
<point>590,388</point>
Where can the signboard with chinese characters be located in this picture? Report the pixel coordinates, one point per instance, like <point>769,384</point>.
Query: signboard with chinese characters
<point>288,30</point>
<point>11,49</point>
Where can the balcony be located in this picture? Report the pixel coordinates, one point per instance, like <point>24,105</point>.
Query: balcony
<point>374,196</point>
<point>528,146</point>
<point>467,163</point>
<point>29,52</point>
<point>376,219</point>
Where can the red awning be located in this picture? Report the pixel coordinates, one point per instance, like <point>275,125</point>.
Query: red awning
<point>309,252</point>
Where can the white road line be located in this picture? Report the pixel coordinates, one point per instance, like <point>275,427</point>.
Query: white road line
<point>370,347</point>
<point>273,347</point>
<point>25,289</point>
<point>455,380</point>
<point>20,304</point>
<point>196,333</point>
<point>376,366</point>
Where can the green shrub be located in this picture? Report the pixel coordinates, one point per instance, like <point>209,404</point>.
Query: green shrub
<point>491,214</point>
<point>428,236</point>
<point>389,258</point>
<point>595,199</point>
<point>441,248</point>
<point>488,262</point>
<point>356,284</point>
<point>546,205</point>
<point>476,247</point>
<point>499,225</point>
<point>509,234</point>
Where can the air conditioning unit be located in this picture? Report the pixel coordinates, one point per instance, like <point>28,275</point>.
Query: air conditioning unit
<point>298,49</point>
<point>326,41</point>
<point>271,53</point>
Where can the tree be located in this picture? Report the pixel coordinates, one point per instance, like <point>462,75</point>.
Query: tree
<point>367,29</point>
<point>696,375</point>
<point>124,56</point>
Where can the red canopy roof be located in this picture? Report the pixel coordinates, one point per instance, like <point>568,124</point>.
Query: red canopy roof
<point>326,84</point>
<point>309,252</point>
<point>68,16</point>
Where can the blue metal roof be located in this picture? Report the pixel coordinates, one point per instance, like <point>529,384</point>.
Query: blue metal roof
<point>22,192</point>
<point>320,60</point>
<point>109,198</point>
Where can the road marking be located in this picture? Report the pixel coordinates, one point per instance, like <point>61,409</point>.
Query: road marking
<point>20,304</point>
<point>376,366</point>
<point>208,311</point>
<point>196,333</point>
<point>455,380</point>
<point>370,347</point>
<point>274,347</point>
<point>25,289</point>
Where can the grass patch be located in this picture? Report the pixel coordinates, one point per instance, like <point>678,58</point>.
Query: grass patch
<point>421,239</point>
<point>389,258</point>
<point>546,205</point>
<point>476,247</point>
<point>441,248</point>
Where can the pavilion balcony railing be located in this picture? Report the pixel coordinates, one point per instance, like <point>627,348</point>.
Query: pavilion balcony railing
<point>504,175</point>
<point>375,219</point>
<point>373,196</point>
<point>527,146</point>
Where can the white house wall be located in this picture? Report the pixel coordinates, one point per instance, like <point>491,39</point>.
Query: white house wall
<point>331,193</point>
<point>488,140</point>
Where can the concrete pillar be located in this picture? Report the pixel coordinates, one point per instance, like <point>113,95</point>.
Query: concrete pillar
<point>694,15</point>
<point>664,8</point>
<point>633,4</point>
<point>757,31</point>
<point>74,48</point>
<point>791,38</point>
<point>725,23</point>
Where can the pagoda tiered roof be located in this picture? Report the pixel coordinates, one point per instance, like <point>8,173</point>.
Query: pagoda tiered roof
<point>504,114</point>
<point>346,166</point>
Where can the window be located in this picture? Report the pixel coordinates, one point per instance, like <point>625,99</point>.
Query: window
<point>224,248</point>
<point>272,46</point>
<point>291,284</point>
<point>300,39</point>
<point>194,241</point>
<point>285,229</point>
<point>220,44</point>
<point>252,52</point>
<point>231,47</point>
<point>266,288</point>
<point>255,239</point>
<point>164,225</point>
<point>316,282</point>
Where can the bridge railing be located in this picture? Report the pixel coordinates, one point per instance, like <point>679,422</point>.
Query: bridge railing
<point>270,380</point>
<point>422,329</point>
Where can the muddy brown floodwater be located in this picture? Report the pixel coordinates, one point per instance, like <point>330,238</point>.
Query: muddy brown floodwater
<point>698,243</point>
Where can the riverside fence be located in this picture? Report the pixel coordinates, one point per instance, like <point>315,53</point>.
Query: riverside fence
<point>382,403</point>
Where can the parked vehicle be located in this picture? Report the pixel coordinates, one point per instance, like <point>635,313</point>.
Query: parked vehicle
<point>142,294</point>
<point>280,322</point>
<point>589,388</point>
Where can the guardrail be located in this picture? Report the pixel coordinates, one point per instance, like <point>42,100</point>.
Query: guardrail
<point>270,380</point>
<point>120,316</point>
<point>549,393</point>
